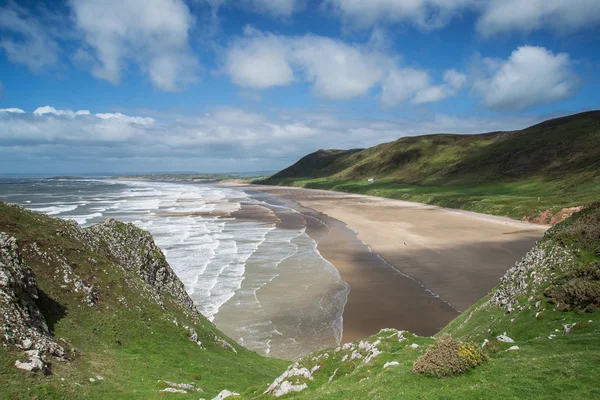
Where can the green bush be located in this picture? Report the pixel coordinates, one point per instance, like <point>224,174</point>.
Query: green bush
<point>578,291</point>
<point>449,357</point>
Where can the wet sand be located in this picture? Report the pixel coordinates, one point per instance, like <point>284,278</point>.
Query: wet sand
<point>426,265</point>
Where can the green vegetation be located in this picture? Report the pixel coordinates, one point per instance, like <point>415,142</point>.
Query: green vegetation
<point>127,338</point>
<point>549,166</point>
<point>558,355</point>
<point>449,357</point>
<point>134,343</point>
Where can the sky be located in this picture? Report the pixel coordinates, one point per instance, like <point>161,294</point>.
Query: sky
<point>113,86</point>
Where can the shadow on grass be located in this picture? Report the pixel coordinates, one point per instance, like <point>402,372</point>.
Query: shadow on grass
<point>52,310</point>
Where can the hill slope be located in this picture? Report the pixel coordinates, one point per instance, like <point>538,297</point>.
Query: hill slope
<point>546,306</point>
<point>99,314</point>
<point>549,166</point>
<point>102,314</point>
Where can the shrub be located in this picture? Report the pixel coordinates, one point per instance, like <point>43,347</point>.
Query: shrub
<point>449,357</point>
<point>579,290</point>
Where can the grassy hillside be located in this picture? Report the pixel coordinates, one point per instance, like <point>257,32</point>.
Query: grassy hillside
<point>131,334</point>
<point>548,304</point>
<point>549,166</point>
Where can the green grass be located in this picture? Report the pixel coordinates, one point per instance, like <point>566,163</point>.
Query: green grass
<point>549,166</point>
<point>136,345</point>
<point>562,367</point>
<point>131,346</point>
<point>511,199</point>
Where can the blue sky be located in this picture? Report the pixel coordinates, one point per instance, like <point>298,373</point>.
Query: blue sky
<point>223,85</point>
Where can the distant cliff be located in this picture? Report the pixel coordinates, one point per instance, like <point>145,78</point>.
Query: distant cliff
<point>530,174</point>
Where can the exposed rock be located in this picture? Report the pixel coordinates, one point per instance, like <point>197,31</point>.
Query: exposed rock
<point>134,249</point>
<point>414,346</point>
<point>531,273</point>
<point>333,375</point>
<point>513,348</point>
<point>504,338</point>
<point>287,387</point>
<point>186,386</point>
<point>567,328</point>
<point>281,386</point>
<point>21,322</point>
<point>391,364</point>
<point>225,394</point>
<point>564,214</point>
<point>34,364</point>
<point>370,349</point>
<point>173,390</point>
<point>224,344</point>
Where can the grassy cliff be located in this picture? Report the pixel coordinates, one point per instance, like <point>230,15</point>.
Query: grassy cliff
<point>546,167</point>
<point>121,317</point>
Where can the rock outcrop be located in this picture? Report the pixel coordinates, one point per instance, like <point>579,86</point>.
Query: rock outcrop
<point>21,322</point>
<point>134,249</point>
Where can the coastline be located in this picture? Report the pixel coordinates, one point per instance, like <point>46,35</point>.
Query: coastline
<point>419,265</point>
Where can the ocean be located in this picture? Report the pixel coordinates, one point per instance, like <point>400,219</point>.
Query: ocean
<point>245,257</point>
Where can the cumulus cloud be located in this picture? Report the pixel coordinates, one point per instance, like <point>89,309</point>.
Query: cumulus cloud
<point>259,61</point>
<point>495,16</point>
<point>424,14</point>
<point>153,34</point>
<point>51,110</point>
<point>231,138</point>
<point>336,70</point>
<point>29,43</point>
<point>530,76</point>
<point>402,85</point>
<point>516,15</point>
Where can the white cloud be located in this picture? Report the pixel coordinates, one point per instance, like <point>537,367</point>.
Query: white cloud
<point>530,76</point>
<point>259,61</point>
<point>273,8</point>
<point>401,85</point>
<point>424,14</point>
<point>67,113</point>
<point>336,70</point>
<point>153,34</point>
<point>146,121</point>
<point>12,110</point>
<point>494,16</point>
<point>502,16</point>
<point>406,84</point>
<point>454,79</point>
<point>30,45</point>
<point>224,139</point>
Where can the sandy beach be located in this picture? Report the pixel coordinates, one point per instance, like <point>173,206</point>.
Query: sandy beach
<point>409,266</point>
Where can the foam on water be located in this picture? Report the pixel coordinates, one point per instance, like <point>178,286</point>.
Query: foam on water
<point>239,272</point>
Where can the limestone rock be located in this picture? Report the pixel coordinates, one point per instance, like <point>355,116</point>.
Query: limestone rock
<point>135,249</point>
<point>225,394</point>
<point>21,322</point>
<point>504,338</point>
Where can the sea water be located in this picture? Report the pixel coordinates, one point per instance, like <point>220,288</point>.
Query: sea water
<point>243,256</point>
